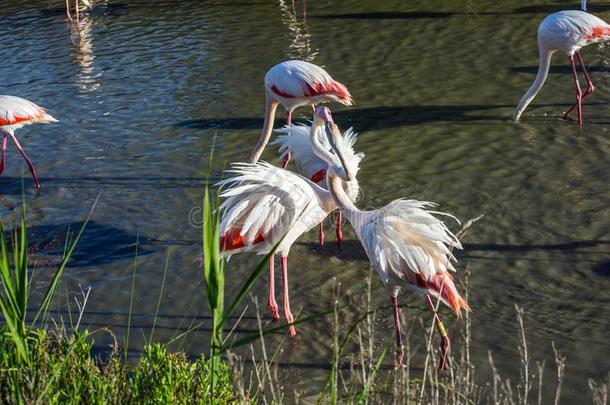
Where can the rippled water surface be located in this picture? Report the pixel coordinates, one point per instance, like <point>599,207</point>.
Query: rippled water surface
<point>143,87</point>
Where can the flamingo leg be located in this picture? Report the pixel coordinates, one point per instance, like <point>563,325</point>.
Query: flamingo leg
<point>272,303</point>
<point>4,138</point>
<point>399,351</point>
<point>77,13</point>
<point>68,10</point>
<point>27,160</point>
<point>287,313</point>
<point>321,235</point>
<point>578,102</point>
<point>445,341</point>
<point>288,155</point>
<point>338,230</point>
<point>590,86</point>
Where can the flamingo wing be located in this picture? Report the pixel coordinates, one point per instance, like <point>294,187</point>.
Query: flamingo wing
<point>405,241</point>
<point>19,111</point>
<point>261,204</point>
<point>299,79</point>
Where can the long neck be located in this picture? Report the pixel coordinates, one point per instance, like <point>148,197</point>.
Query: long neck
<point>270,107</point>
<point>335,187</point>
<point>543,71</point>
<point>583,5</point>
<point>318,149</point>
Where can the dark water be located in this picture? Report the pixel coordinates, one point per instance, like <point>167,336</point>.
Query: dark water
<point>145,86</point>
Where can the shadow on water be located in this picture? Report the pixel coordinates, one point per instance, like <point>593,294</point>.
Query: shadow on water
<point>14,186</point>
<point>557,69</point>
<point>370,117</point>
<point>387,15</point>
<point>114,9</point>
<point>411,15</point>
<point>375,118</point>
<point>352,250</point>
<point>99,244</point>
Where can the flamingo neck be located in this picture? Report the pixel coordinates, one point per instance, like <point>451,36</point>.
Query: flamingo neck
<point>318,149</point>
<point>543,72</point>
<point>270,107</point>
<point>340,197</point>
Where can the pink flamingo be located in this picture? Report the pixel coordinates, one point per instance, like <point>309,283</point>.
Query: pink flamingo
<point>265,205</point>
<point>293,84</point>
<point>16,112</point>
<point>407,246</point>
<point>565,31</point>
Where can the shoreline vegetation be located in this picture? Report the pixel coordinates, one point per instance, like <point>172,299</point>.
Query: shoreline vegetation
<point>43,360</point>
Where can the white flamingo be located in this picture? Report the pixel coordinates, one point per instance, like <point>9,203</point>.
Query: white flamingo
<point>408,247</point>
<point>565,31</point>
<point>296,139</point>
<point>293,84</point>
<point>15,112</point>
<point>265,204</point>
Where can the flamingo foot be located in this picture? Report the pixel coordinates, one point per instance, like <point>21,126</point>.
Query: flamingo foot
<point>286,160</point>
<point>275,311</point>
<point>445,345</point>
<point>321,235</point>
<point>339,230</point>
<point>289,320</point>
<point>398,356</point>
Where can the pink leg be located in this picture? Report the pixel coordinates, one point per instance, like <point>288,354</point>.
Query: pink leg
<point>321,234</point>
<point>288,155</point>
<point>445,341</point>
<point>287,313</point>
<point>272,303</point>
<point>77,13</point>
<point>339,231</point>
<point>578,91</point>
<point>590,86</point>
<point>27,160</point>
<point>68,10</point>
<point>399,351</point>
<point>4,138</point>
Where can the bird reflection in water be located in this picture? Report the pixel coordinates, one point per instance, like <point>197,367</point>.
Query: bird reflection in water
<point>87,79</point>
<point>298,30</point>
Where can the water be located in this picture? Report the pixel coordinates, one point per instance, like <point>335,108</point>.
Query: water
<point>145,87</point>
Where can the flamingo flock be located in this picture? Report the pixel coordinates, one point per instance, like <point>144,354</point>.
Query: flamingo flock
<point>264,205</point>
<point>266,208</point>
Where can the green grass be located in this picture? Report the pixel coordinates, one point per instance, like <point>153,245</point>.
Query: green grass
<point>63,370</point>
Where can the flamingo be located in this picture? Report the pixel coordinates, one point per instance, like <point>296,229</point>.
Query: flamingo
<point>565,31</point>
<point>265,205</point>
<point>295,83</point>
<point>16,112</point>
<point>87,4</point>
<point>408,246</point>
<point>297,139</point>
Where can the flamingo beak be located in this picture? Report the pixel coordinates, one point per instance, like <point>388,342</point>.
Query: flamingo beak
<point>333,134</point>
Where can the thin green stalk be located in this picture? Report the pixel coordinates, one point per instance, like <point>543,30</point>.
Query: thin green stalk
<point>152,331</point>
<point>131,295</point>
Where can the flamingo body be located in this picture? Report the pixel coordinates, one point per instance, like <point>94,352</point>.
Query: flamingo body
<point>265,205</point>
<point>15,112</point>
<point>294,84</point>
<point>567,32</point>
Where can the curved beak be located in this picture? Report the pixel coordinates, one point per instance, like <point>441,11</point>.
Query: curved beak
<point>333,134</point>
